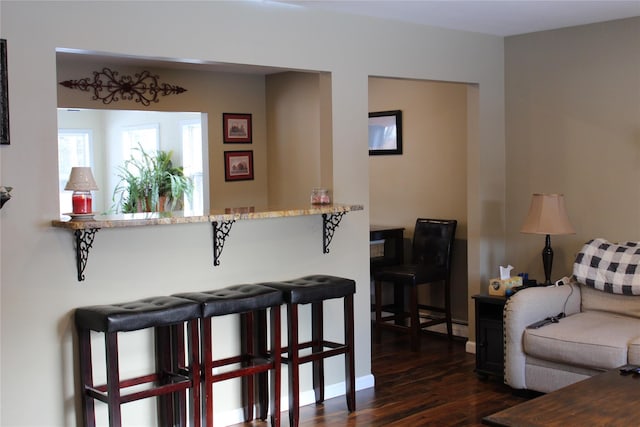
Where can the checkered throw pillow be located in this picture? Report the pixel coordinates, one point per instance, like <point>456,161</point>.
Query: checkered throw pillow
<point>609,267</point>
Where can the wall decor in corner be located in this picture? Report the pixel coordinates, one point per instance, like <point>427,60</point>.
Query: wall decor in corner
<point>4,95</point>
<point>385,132</point>
<point>108,86</point>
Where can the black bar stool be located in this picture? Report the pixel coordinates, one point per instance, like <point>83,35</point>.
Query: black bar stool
<point>251,301</point>
<point>315,290</point>
<point>432,254</point>
<point>173,377</point>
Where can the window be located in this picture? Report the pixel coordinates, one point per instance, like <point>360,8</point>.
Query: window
<point>136,137</point>
<point>74,149</point>
<point>192,163</point>
<point>115,136</point>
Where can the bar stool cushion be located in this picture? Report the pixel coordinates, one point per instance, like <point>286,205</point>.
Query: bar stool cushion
<point>235,299</point>
<point>314,288</point>
<point>136,315</point>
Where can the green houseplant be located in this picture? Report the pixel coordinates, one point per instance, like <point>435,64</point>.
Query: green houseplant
<point>149,182</point>
<point>173,185</point>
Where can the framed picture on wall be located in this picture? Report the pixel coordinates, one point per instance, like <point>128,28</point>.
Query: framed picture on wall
<point>238,165</point>
<point>236,128</point>
<point>385,132</point>
<point>4,94</point>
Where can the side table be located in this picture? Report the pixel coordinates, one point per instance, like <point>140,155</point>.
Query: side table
<point>393,255</point>
<point>393,245</point>
<point>489,335</point>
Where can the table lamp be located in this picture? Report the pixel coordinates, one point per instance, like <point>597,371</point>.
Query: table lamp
<point>81,182</point>
<point>547,215</point>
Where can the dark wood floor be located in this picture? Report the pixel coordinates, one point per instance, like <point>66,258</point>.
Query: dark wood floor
<point>435,387</point>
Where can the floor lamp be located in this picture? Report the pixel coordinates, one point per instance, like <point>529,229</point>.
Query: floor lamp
<point>547,215</point>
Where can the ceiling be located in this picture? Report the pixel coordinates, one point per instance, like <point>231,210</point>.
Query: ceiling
<point>500,18</point>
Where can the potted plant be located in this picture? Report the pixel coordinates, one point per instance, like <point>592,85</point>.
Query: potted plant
<point>173,185</point>
<point>149,182</point>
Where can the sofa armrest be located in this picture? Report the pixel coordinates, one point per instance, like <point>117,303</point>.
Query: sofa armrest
<point>524,308</point>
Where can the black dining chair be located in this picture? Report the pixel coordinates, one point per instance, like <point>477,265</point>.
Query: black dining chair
<point>432,251</point>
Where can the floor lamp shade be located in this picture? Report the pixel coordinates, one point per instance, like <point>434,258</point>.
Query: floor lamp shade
<point>547,215</point>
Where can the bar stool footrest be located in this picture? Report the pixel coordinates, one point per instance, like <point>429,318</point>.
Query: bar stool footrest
<point>336,349</point>
<point>100,392</point>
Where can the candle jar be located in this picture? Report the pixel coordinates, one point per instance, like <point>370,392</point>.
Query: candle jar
<point>320,196</point>
<point>82,202</point>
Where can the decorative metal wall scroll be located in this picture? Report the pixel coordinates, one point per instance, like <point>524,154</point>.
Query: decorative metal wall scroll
<point>108,87</point>
<point>4,94</point>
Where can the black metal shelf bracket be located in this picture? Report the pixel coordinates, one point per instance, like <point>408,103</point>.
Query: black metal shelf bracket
<point>329,224</point>
<point>220,233</point>
<point>84,242</point>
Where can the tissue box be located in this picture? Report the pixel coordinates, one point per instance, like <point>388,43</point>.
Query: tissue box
<point>499,286</point>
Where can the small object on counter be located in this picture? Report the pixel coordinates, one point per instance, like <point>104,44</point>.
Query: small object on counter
<point>82,202</point>
<point>81,182</point>
<point>500,286</point>
<point>320,196</point>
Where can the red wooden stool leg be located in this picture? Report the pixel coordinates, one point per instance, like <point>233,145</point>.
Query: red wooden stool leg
<point>294,365</point>
<point>194,366</point>
<point>349,362</point>
<point>262,377</point>
<point>276,354</point>
<point>208,371</point>
<point>247,335</point>
<point>164,356</point>
<point>113,379</point>
<point>317,337</point>
<point>86,377</point>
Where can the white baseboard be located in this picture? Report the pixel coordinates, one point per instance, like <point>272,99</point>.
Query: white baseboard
<point>470,347</point>
<point>458,329</point>
<point>236,416</point>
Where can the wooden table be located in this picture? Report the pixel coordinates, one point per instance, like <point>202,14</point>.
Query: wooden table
<point>393,245</point>
<point>608,399</point>
<point>393,255</point>
<point>489,335</point>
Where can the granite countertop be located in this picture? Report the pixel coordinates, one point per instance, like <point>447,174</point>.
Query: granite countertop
<point>177,217</point>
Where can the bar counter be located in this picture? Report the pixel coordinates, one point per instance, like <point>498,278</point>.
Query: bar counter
<point>85,227</point>
<point>178,217</point>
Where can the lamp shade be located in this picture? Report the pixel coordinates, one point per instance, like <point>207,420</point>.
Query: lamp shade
<point>81,179</point>
<point>547,215</point>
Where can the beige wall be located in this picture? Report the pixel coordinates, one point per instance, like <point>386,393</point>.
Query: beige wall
<point>573,127</point>
<point>429,179</point>
<point>293,129</point>
<point>287,157</point>
<point>39,291</point>
<point>212,93</point>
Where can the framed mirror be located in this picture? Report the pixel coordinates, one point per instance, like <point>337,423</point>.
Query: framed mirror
<point>385,132</point>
